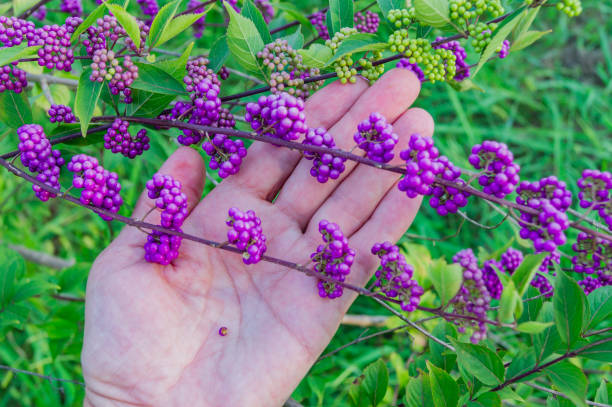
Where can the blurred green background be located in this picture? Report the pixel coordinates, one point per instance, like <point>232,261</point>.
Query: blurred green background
<point>551,103</point>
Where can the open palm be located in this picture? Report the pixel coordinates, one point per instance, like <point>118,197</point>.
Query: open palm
<point>151,332</point>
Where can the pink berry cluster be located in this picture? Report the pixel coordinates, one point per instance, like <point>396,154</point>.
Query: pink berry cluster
<point>119,140</point>
<point>226,154</point>
<point>395,276</point>
<point>279,115</point>
<point>161,247</point>
<point>405,63</point>
<point>197,71</point>
<point>324,165</point>
<point>61,114</point>
<point>333,259</point>
<point>38,157</point>
<point>12,79</point>
<point>473,297</point>
<point>462,68</point>
<point>246,233</point>
<point>120,74</point>
<point>13,31</point>
<point>266,8</point>
<point>447,199</point>
<point>596,193</point>
<point>55,51</point>
<point>376,137</point>
<point>318,21</point>
<point>101,187</point>
<point>422,166</point>
<point>500,174</point>
<point>72,7</point>
<point>366,22</point>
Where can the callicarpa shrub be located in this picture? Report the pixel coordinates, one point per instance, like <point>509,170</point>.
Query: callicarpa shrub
<point>136,81</point>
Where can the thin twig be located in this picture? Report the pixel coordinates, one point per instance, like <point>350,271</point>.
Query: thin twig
<point>42,376</point>
<point>32,9</point>
<point>558,393</point>
<point>364,321</point>
<point>35,77</point>
<point>41,258</point>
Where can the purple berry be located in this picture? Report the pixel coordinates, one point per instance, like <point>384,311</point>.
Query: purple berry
<point>324,165</point>
<point>61,114</point>
<point>414,67</point>
<point>226,154</point>
<point>318,21</point>
<point>422,166</point>
<point>596,193</point>
<point>376,137</point>
<point>279,115</point>
<point>446,199</point>
<point>246,234</point>
<point>500,174</point>
<point>366,23</point>
<point>12,79</point>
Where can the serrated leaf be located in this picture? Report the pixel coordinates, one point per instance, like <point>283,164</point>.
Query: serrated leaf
<point>498,38</point>
<point>243,41</point>
<point>520,364</point>
<point>218,53</point>
<point>481,362</point>
<point>526,39</point>
<point>488,399</point>
<point>179,24</point>
<point>359,42</point>
<point>375,382</point>
<point>87,95</point>
<point>444,389</point>
<point>8,55</point>
<point>418,392</point>
<point>600,304</point>
<point>152,79</point>
<point>533,327</point>
<point>15,110</point>
<point>295,39</point>
<point>161,21</point>
<point>569,380</point>
<point>569,304</point>
<point>88,22</point>
<point>340,15</point>
<point>250,11</point>
<point>446,279</point>
<point>435,13</point>
<point>549,340</point>
<point>127,21</point>
<point>525,272</point>
<point>388,5</point>
<point>316,56</point>
<point>177,67</point>
<point>438,353</point>
<point>601,352</point>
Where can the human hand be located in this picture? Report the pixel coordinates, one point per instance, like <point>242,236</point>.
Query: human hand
<point>151,332</point>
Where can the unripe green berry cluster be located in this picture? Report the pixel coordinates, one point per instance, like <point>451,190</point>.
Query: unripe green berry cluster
<point>340,36</point>
<point>465,10</point>
<point>402,17</point>
<point>570,7</point>
<point>481,35</point>
<point>437,64</point>
<point>344,65</point>
<point>371,72</point>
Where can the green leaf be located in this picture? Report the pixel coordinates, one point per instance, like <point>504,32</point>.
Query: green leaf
<point>418,392</point>
<point>316,56</point>
<point>435,13</point>
<point>218,53</point>
<point>525,22</point>
<point>569,304</point>
<point>532,307</point>
<point>439,355</point>
<point>161,21</point>
<point>508,394</point>
<point>153,79</point>
<point>88,22</point>
<point>481,362</point>
<point>375,381</point>
<point>533,327</point>
<point>244,41</point>
<point>525,272</point>
<point>446,279</point>
<point>148,104</point>
<point>359,42</point>
<point>601,352</point>
<point>341,15</point>
<point>297,14</point>
<point>4,8</point>
<point>32,288</point>
<point>444,389</point>
<point>8,55</point>
<point>19,6</point>
<point>604,393</point>
<point>549,340</point>
<point>179,24</point>
<point>464,86</point>
<point>504,29</point>
<point>569,380</point>
<point>176,67</point>
<point>295,39</point>
<point>527,38</point>
<point>600,304</point>
<point>12,267</point>
<point>488,399</point>
<point>250,11</point>
<point>522,363</point>
<point>15,110</point>
<point>127,21</point>
<point>508,303</point>
<point>87,95</point>
<point>388,5</point>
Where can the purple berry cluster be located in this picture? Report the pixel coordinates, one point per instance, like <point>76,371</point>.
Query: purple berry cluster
<point>246,233</point>
<point>414,67</point>
<point>500,174</point>
<point>511,259</point>
<point>492,281</point>
<point>40,14</point>
<point>224,73</point>
<point>462,68</point>
<point>279,115</point>
<point>12,78</point>
<point>324,165</point>
<point>200,24</point>
<point>422,166</point>
<point>596,193</point>
<point>473,297</point>
<point>333,259</point>
<point>366,22</point>
<point>590,284</point>
<point>13,31</point>
<point>376,137</point>
<point>72,7</point>
<point>550,188</point>
<point>205,110</point>
<point>394,277</point>
<point>38,157</point>
<point>546,229</point>
<point>226,154</point>
<point>100,187</point>
<point>149,8</point>
<point>447,199</point>
<point>162,248</point>
<point>266,8</point>
<point>120,74</point>
<point>55,51</point>
<point>119,140</point>
<point>61,114</point>
<point>505,49</point>
<point>318,21</point>
<point>593,254</point>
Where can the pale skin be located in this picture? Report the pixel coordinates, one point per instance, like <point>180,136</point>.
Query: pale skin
<point>152,332</point>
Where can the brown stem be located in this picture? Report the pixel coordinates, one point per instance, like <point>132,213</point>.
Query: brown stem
<point>32,9</point>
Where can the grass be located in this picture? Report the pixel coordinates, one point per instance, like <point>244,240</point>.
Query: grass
<point>551,103</point>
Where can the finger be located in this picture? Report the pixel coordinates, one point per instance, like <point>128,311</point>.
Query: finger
<point>267,166</point>
<point>356,198</point>
<point>184,165</point>
<point>391,95</point>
